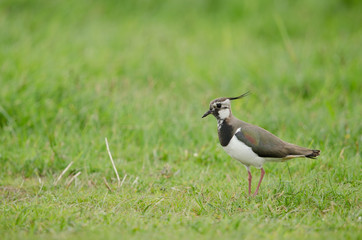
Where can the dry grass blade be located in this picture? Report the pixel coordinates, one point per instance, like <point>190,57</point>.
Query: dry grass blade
<point>114,166</point>
<point>64,171</point>
<point>107,185</point>
<point>73,178</point>
<point>124,178</point>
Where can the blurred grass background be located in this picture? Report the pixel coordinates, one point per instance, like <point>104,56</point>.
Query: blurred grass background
<point>142,73</point>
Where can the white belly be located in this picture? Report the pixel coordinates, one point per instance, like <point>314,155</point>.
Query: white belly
<point>243,153</point>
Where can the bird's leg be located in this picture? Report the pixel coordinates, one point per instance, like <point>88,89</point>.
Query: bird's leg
<point>261,179</point>
<point>249,179</point>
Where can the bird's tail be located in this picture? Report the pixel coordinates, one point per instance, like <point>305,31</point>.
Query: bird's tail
<point>295,150</point>
<point>314,154</point>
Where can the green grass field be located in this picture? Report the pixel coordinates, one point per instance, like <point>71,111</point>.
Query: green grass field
<point>142,73</point>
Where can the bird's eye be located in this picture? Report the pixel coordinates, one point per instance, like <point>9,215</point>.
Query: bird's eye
<point>218,105</point>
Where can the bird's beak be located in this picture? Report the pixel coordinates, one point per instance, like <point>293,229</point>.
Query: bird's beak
<point>207,113</point>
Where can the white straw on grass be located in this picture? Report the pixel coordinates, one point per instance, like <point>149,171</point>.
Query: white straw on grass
<point>73,178</point>
<point>124,178</point>
<point>135,181</point>
<point>114,166</point>
<point>61,175</point>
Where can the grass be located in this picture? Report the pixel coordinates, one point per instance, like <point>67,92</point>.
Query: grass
<point>142,73</point>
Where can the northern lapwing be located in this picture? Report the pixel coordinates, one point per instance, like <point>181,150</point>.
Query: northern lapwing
<point>249,144</point>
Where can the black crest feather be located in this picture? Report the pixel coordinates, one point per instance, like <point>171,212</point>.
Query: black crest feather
<point>241,96</point>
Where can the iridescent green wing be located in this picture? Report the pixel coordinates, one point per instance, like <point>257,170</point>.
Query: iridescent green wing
<point>262,142</point>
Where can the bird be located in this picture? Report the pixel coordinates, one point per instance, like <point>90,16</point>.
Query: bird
<point>249,144</point>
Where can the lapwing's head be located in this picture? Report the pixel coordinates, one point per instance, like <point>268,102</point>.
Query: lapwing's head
<point>221,107</point>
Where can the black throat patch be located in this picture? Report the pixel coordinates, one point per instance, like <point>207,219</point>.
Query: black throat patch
<point>225,132</point>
